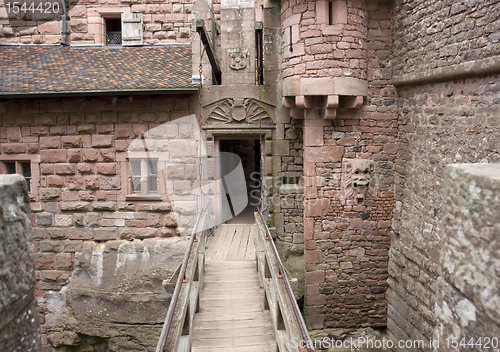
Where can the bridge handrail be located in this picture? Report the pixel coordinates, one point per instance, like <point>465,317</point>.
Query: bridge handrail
<point>305,343</point>
<point>195,274</point>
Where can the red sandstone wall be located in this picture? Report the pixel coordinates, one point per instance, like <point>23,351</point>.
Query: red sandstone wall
<point>166,22</point>
<point>318,52</point>
<point>448,113</point>
<point>347,244</point>
<point>80,196</point>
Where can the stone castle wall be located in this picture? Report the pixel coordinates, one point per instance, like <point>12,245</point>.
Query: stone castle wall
<point>346,241</point>
<point>439,124</point>
<point>19,326</point>
<point>447,114</point>
<point>82,145</point>
<point>440,34</point>
<point>168,22</point>
<point>467,292</point>
<point>311,48</point>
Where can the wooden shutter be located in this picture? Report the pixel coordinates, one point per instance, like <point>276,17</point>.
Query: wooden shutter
<point>131,29</point>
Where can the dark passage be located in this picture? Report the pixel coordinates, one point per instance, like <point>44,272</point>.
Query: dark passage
<point>249,152</point>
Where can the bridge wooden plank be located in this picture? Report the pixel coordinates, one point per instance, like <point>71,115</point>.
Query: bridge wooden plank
<point>236,243</point>
<point>222,236</point>
<point>232,315</point>
<point>240,255</point>
<point>215,242</point>
<point>226,244</point>
<point>250,250</point>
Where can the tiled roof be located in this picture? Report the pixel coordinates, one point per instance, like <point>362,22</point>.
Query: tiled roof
<point>32,69</point>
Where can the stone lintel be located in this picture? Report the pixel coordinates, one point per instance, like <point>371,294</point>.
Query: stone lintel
<point>350,86</point>
<point>290,21</point>
<point>324,154</point>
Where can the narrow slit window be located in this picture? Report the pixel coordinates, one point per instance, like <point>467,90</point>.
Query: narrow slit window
<point>330,13</point>
<point>259,57</point>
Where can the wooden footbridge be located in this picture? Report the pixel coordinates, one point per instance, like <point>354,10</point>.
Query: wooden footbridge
<point>232,295</point>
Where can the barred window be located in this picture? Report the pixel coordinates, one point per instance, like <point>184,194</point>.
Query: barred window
<point>18,167</point>
<point>113,31</point>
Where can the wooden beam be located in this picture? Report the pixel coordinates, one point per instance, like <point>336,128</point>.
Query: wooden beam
<point>207,43</point>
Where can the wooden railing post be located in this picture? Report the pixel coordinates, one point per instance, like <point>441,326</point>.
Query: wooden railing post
<point>287,319</point>
<point>178,327</point>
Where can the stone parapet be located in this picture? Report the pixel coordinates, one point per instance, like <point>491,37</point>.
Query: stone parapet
<point>468,290</point>
<point>19,326</point>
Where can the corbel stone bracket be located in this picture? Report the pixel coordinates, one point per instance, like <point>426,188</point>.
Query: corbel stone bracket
<point>325,93</point>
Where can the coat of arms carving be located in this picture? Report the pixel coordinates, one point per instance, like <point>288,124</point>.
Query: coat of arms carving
<point>237,58</point>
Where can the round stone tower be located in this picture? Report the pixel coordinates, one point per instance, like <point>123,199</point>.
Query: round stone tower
<point>324,54</point>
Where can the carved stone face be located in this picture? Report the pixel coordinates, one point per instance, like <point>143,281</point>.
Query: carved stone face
<point>358,175</point>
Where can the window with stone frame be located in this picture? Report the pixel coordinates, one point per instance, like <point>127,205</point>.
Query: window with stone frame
<point>144,176</point>
<point>25,165</point>
<point>114,25</point>
<point>113,31</point>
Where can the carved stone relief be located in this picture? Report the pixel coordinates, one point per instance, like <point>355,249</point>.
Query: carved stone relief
<point>358,179</point>
<point>237,58</point>
<point>238,110</point>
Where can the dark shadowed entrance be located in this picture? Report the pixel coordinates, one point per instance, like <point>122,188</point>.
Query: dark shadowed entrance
<point>249,152</point>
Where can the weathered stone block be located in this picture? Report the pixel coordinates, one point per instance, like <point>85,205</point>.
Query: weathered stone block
<point>105,234</point>
<point>50,142</point>
<point>74,206</point>
<point>104,206</point>
<point>72,141</point>
<point>106,168</point>
<point>110,182</point>
<point>145,233</point>
<point>104,269</point>
<point>53,156</point>
<point>64,169</point>
<point>50,194</point>
<point>102,141</point>
<point>323,154</point>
